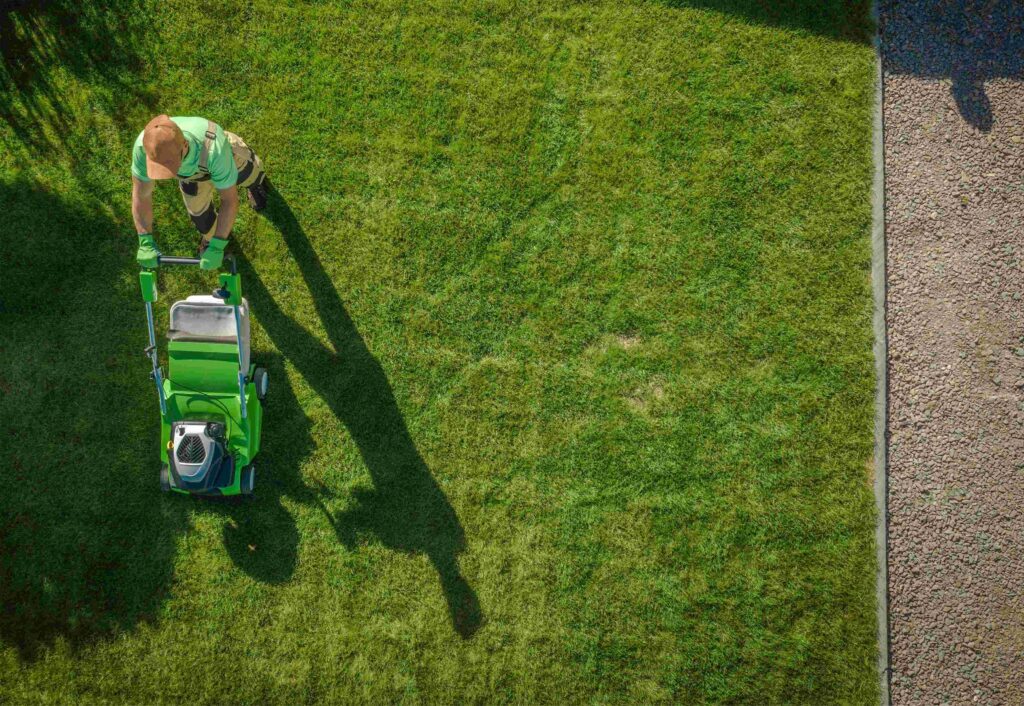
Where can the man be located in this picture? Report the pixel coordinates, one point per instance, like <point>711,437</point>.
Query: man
<point>202,157</point>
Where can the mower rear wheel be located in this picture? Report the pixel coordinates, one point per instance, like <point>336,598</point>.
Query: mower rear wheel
<point>261,380</point>
<point>165,479</point>
<point>248,479</point>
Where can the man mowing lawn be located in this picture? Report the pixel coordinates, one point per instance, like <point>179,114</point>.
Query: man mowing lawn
<point>202,157</point>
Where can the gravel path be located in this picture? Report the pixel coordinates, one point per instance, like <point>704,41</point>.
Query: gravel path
<point>954,159</point>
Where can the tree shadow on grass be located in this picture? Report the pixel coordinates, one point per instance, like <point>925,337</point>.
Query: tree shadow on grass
<point>846,20</point>
<point>87,540</point>
<point>101,42</point>
<point>405,510</point>
<point>966,41</point>
<point>87,543</point>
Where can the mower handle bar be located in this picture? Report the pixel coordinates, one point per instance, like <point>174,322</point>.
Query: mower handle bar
<point>164,260</point>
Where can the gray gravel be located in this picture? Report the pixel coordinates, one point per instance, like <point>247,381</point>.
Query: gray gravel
<point>954,158</point>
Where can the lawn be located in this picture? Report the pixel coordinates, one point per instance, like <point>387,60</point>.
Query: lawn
<point>566,308</point>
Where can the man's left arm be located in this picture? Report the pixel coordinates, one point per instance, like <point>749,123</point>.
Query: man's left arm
<point>228,212</point>
<point>213,253</point>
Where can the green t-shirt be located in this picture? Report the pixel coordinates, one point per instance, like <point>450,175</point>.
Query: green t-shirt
<point>221,161</point>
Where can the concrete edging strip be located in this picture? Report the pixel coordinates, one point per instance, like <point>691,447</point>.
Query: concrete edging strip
<point>881,455</point>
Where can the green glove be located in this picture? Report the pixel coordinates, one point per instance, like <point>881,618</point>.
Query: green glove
<point>213,256</point>
<point>147,254</point>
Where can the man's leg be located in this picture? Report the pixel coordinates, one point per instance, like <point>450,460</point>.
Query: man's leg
<point>251,175</point>
<point>198,197</point>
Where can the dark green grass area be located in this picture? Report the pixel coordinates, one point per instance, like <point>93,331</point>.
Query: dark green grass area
<point>566,308</point>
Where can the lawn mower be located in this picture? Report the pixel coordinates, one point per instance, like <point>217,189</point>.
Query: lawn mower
<point>211,407</point>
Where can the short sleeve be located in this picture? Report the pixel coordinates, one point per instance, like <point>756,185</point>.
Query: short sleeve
<point>223,171</point>
<point>139,161</point>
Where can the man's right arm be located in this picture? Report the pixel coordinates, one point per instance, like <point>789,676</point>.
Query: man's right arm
<point>142,205</point>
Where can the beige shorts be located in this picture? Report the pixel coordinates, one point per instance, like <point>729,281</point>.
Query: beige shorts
<point>197,191</point>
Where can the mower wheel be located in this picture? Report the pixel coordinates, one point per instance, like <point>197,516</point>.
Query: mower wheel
<point>261,380</point>
<point>165,480</point>
<point>249,479</point>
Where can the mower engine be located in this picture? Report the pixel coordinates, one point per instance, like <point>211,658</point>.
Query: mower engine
<point>198,457</point>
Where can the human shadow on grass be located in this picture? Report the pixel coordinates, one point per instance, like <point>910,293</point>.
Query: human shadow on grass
<point>87,543</point>
<point>405,510</point>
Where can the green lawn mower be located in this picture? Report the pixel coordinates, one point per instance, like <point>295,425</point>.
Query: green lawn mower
<point>211,402</point>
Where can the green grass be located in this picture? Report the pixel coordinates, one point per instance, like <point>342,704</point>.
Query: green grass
<point>567,313</point>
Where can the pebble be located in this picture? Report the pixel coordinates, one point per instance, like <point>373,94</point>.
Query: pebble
<point>954,170</point>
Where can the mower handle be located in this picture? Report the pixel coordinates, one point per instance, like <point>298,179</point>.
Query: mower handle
<point>164,260</point>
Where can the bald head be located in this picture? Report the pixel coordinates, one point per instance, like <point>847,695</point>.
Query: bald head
<point>165,147</point>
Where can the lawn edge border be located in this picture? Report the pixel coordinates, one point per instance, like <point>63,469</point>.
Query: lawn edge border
<point>881,354</point>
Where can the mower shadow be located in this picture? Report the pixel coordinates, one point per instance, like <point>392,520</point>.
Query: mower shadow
<point>260,534</point>
<point>86,545</point>
<point>406,510</point>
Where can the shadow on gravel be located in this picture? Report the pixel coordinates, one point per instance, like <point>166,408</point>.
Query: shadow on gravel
<point>406,510</point>
<point>87,542</point>
<point>41,39</point>
<point>967,41</point>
